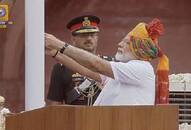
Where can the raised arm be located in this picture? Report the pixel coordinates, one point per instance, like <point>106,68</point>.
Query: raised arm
<point>74,66</point>
<point>84,58</point>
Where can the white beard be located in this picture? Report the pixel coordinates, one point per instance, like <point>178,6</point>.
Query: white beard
<point>125,57</point>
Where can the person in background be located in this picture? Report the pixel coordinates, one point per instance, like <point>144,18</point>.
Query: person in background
<point>3,112</point>
<point>67,86</point>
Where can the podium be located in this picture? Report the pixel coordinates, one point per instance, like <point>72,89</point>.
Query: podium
<point>161,117</point>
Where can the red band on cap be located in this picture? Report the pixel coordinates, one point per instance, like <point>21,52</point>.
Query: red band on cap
<point>79,25</point>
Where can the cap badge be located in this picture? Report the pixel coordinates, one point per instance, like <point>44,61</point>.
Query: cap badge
<point>86,22</point>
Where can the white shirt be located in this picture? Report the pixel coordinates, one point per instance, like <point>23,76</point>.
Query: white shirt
<point>3,111</point>
<point>133,84</point>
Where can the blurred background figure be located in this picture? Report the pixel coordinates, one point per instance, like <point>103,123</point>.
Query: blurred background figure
<point>3,112</point>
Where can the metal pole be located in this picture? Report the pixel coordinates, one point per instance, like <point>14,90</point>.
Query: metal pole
<point>34,54</point>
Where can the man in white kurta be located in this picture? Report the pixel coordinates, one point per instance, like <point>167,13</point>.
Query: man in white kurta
<point>133,84</point>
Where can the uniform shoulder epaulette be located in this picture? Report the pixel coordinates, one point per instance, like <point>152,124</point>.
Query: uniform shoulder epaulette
<point>76,75</point>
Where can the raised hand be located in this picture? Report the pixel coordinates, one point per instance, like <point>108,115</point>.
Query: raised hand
<point>50,52</point>
<point>51,42</point>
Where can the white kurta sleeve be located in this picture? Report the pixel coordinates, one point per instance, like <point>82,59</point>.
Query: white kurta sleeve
<point>130,72</point>
<point>103,79</point>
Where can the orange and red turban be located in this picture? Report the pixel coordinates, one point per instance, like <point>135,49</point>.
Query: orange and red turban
<point>144,45</point>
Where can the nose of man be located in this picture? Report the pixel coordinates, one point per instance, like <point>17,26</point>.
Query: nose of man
<point>89,37</point>
<point>120,44</point>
